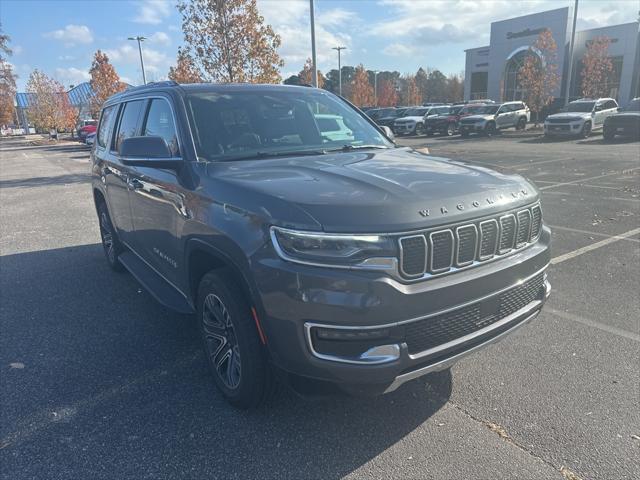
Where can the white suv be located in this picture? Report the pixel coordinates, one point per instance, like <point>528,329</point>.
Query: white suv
<point>491,118</point>
<point>580,117</point>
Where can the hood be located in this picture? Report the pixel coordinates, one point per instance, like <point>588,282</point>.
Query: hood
<point>488,116</point>
<point>390,190</point>
<point>564,115</point>
<point>413,119</point>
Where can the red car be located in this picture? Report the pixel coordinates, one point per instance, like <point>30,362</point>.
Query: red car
<point>86,130</point>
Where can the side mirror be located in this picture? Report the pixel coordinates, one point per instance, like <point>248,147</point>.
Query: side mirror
<point>388,132</point>
<point>150,152</point>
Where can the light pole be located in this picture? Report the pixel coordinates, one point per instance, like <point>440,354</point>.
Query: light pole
<point>140,39</point>
<point>375,87</point>
<point>573,38</point>
<point>339,49</point>
<point>314,80</point>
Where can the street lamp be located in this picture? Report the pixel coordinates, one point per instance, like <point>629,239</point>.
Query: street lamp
<point>375,87</point>
<point>314,71</point>
<point>339,49</point>
<point>140,39</point>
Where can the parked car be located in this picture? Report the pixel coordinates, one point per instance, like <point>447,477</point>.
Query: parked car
<point>85,130</point>
<point>227,202</point>
<point>445,123</point>
<point>388,116</point>
<point>413,121</point>
<point>626,123</point>
<point>493,117</point>
<point>580,117</point>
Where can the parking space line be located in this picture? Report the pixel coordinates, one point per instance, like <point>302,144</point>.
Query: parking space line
<point>597,234</point>
<point>573,194</point>
<point>594,246</point>
<point>588,179</point>
<point>592,323</point>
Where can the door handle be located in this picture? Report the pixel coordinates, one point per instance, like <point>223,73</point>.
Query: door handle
<point>135,184</point>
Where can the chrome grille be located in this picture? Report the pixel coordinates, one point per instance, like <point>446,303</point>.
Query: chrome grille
<point>447,249</point>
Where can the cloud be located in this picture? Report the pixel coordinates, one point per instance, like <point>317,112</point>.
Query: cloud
<point>290,20</point>
<point>72,35</point>
<point>160,38</point>
<point>71,76</point>
<point>66,58</point>
<point>156,63</point>
<point>17,49</point>
<point>399,50</point>
<point>153,11</point>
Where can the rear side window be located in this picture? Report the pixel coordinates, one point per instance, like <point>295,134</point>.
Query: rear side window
<point>610,104</point>
<point>129,121</point>
<point>106,125</point>
<point>160,124</point>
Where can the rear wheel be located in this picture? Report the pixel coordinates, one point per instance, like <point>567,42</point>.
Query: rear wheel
<point>586,130</point>
<point>231,341</point>
<point>110,243</point>
<point>608,134</point>
<point>451,129</point>
<point>419,130</point>
<point>464,133</point>
<point>490,129</point>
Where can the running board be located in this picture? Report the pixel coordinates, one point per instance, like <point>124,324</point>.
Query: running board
<point>158,287</point>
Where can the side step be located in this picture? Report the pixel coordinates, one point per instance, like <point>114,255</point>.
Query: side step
<point>157,286</point>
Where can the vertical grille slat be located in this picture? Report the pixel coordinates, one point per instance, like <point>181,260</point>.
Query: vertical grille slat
<point>441,257</point>
<point>488,239</point>
<point>524,227</point>
<point>536,222</point>
<point>413,260</point>
<point>507,233</point>
<point>467,238</point>
<point>435,252</point>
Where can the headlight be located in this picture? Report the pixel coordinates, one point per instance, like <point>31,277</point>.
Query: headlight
<point>346,251</point>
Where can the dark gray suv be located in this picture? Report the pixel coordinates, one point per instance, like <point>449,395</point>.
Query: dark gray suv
<point>308,255</point>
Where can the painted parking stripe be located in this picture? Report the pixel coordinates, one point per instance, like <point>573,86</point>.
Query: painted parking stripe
<point>596,234</point>
<point>594,246</point>
<point>592,323</point>
<point>588,179</point>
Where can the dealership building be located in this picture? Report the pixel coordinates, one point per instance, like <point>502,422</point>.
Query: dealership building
<point>492,71</point>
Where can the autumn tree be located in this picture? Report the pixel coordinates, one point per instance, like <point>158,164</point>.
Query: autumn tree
<point>7,82</point>
<point>49,108</point>
<point>229,41</point>
<point>538,76</point>
<point>388,95</point>
<point>361,89</point>
<point>455,88</point>
<point>185,70</point>
<point>104,81</point>
<point>306,74</point>
<point>596,68</point>
<point>413,95</point>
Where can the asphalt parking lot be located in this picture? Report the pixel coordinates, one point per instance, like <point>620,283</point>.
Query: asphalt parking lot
<point>99,381</point>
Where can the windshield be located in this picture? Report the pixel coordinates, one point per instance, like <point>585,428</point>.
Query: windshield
<point>455,110</point>
<point>386,112</point>
<point>579,107</point>
<point>634,106</point>
<point>416,112</point>
<point>487,109</point>
<point>245,124</point>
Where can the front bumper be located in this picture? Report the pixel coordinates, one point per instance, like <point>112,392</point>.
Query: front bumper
<point>300,298</point>
<point>404,129</point>
<point>623,130</point>
<point>472,127</point>
<point>563,129</point>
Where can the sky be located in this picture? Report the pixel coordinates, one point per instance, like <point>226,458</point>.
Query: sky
<point>60,37</point>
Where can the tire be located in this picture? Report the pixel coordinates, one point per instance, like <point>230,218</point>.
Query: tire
<point>464,133</point>
<point>608,134</point>
<point>586,130</point>
<point>419,130</point>
<point>231,342</point>
<point>110,243</point>
<point>451,130</point>
<point>490,129</point>
<point>522,124</point>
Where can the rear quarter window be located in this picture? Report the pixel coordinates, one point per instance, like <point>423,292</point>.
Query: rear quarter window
<point>106,125</point>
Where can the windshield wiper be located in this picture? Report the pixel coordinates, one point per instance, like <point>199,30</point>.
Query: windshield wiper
<point>261,154</point>
<point>348,148</point>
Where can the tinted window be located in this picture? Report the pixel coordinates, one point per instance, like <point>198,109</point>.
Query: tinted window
<point>610,104</point>
<point>106,124</point>
<point>129,121</point>
<point>256,123</point>
<point>443,110</point>
<point>160,124</point>
<point>518,106</point>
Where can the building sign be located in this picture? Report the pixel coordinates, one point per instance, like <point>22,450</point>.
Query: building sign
<point>525,33</point>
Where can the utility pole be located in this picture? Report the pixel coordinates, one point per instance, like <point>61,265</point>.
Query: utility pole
<point>570,70</point>
<point>140,39</point>
<point>339,49</point>
<point>314,80</point>
<point>375,87</point>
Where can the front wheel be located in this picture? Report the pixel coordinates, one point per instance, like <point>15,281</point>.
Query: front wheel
<point>490,129</point>
<point>419,130</point>
<point>231,341</point>
<point>522,123</point>
<point>586,130</point>
<point>110,243</point>
<point>451,129</point>
<point>608,134</point>
<point>464,133</point>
